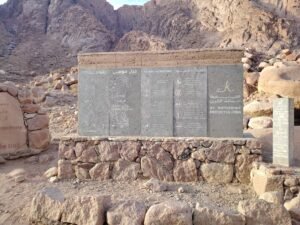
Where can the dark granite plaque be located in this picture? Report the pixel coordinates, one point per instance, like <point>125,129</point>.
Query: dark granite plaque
<point>125,102</point>
<point>190,102</point>
<point>93,102</point>
<point>225,101</point>
<point>157,102</point>
<point>283,131</point>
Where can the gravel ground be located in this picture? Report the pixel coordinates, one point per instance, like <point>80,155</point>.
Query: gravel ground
<point>15,198</point>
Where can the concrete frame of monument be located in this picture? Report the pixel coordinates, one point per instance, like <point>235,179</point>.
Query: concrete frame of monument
<point>24,126</point>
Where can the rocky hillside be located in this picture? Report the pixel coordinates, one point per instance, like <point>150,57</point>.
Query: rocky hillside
<point>40,35</point>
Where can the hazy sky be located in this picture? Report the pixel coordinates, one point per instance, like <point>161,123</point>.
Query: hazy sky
<point>115,3</point>
<point>119,3</point>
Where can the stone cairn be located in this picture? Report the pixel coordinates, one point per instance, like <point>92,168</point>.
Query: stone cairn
<point>32,133</point>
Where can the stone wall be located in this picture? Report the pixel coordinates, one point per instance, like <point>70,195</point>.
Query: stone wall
<point>50,206</point>
<point>167,159</point>
<point>24,126</point>
<point>274,178</point>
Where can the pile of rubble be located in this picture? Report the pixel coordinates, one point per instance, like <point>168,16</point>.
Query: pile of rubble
<point>265,79</point>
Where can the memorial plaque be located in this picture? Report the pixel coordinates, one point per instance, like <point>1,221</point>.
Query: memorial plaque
<point>94,102</point>
<point>125,102</point>
<point>157,102</point>
<point>225,101</point>
<point>12,129</point>
<point>283,131</point>
<point>190,102</point>
<point>173,93</point>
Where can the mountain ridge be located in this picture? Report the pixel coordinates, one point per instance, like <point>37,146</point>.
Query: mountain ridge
<point>42,35</point>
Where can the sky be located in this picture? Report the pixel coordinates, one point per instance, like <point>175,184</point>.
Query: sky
<point>115,3</point>
<point>119,3</point>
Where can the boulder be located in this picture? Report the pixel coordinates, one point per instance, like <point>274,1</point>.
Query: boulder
<point>260,212</point>
<point>274,197</point>
<point>212,216</point>
<point>53,171</point>
<point>38,122</point>
<point>38,94</point>
<point>101,171</point>
<point>82,171</point>
<point>18,175</point>
<point>169,212</point>
<point>39,139</point>
<point>25,96</point>
<point>262,122</point>
<point>293,206</point>
<point>221,152</point>
<point>83,210</point>
<point>263,182</point>
<point>155,185</point>
<point>199,154</point>
<point>251,78</point>
<point>283,81</point>
<point>152,168</point>
<point>185,171</point>
<point>130,150</point>
<point>217,172</point>
<point>89,155</point>
<point>257,108</point>
<point>11,88</point>
<point>65,169</point>
<point>30,108</point>
<point>243,167</point>
<point>127,213</point>
<point>108,151</point>
<point>125,170</point>
<point>47,206</point>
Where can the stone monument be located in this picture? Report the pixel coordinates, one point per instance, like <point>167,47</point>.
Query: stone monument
<point>163,94</point>
<point>13,132</point>
<point>283,131</point>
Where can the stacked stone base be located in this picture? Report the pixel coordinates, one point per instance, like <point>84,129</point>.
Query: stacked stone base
<point>166,159</point>
<point>51,207</point>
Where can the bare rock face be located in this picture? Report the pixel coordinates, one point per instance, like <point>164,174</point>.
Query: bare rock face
<point>140,41</point>
<point>170,212</point>
<point>61,29</point>
<point>13,132</point>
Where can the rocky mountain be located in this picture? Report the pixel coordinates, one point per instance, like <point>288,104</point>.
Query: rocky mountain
<point>40,35</point>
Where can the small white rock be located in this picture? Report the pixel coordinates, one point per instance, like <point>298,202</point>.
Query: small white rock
<point>180,190</point>
<point>51,172</point>
<point>19,179</point>
<point>53,179</point>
